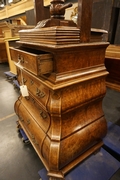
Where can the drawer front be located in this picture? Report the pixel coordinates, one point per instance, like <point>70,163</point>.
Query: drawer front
<point>82,140</point>
<point>37,112</point>
<point>37,62</point>
<point>36,134</point>
<point>35,87</point>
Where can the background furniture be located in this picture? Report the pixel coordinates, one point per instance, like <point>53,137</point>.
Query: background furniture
<point>3,54</point>
<point>112,63</point>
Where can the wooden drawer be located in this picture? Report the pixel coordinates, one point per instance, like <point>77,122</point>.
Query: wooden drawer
<point>34,85</point>
<point>36,134</point>
<point>37,62</point>
<point>37,112</point>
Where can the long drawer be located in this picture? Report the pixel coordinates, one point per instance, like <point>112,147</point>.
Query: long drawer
<point>36,111</point>
<point>34,85</point>
<point>37,62</point>
<point>35,132</point>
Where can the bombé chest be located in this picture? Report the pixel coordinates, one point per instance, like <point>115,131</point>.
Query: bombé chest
<point>62,116</point>
<point>62,66</point>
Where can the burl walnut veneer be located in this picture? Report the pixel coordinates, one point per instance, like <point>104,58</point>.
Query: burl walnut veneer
<point>62,116</point>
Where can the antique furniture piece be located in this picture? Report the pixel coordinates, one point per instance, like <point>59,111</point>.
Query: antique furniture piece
<point>3,54</point>
<point>112,63</point>
<point>63,74</point>
<point>9,40</point>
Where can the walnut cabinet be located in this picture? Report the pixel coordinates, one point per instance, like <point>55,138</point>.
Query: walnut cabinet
<point>62,116</point>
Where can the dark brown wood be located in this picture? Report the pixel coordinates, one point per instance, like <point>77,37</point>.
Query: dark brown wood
<point>41,12</point>
<point>57,11</point>
<point>84,19</point>
<point>117,3</point>
<point>30,17</point>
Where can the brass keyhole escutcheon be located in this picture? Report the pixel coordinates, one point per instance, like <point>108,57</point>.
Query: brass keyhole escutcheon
<point>40,93</point>
<point>43,114</point>
<point>31,82</point>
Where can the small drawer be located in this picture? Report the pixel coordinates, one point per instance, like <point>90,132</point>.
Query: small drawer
<point>34,85</point>
<point>37,62</point>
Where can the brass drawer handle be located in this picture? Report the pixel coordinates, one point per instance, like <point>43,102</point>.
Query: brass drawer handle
<point>33,139</point>
<point>33,101</point>
<point>43,114</point>
<point>40,93</point>
<point>31,82</point>
<point>27,97</point>
<point>24,80</point>
<point>28,121</point>
<point>20,58</point>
